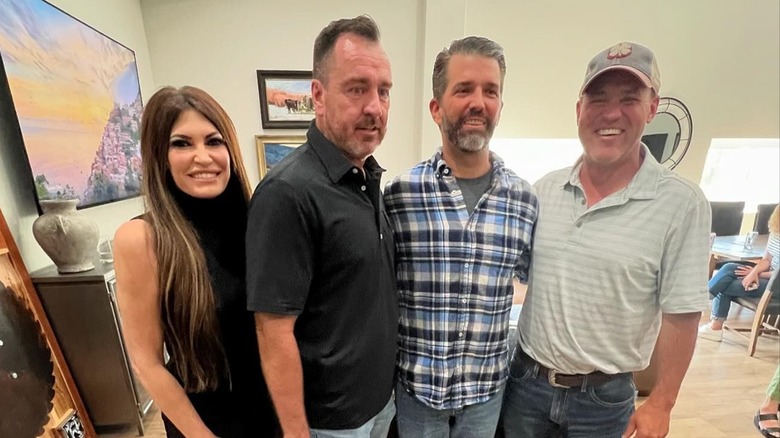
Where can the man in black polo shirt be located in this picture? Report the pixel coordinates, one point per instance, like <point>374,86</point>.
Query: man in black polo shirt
<point>320,270</point>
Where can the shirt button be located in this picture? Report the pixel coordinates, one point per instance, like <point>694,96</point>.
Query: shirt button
<point>579,224</point>
<point>466,265</point>
<point>460,335</point>
<point>446,171</point>
<point>464,300</point>
<point>363,188</point>
<point>381,236</point>
<point>583,202</point>
<point>354,170</point>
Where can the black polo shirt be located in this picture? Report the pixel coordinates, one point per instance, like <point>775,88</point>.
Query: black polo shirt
<point>319,245</point>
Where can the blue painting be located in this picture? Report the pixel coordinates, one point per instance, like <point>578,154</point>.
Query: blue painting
<point>272,149</point>
<point>274,153</point>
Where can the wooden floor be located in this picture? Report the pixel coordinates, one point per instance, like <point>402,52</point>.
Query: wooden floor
<point>153,427</point>
<point>724,386</point>
<point>719,396</point>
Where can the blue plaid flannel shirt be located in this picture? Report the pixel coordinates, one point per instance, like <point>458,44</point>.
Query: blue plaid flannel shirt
<point>455,279</point>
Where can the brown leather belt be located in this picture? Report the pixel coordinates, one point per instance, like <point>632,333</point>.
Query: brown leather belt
<point>559,380</point>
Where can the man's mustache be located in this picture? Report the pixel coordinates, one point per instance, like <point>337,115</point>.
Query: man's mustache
<point>369,123</point>
<point>473,112</point>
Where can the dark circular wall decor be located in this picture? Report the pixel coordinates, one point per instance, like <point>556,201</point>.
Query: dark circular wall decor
<point>669,134</point>
<point>26,370</point>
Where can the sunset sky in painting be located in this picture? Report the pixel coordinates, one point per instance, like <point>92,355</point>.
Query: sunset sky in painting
<point>64,79</point>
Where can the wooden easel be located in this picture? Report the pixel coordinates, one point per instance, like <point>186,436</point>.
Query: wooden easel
<point>14,275</point>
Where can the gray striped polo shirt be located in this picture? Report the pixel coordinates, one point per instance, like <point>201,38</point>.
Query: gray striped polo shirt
<point>602,276</point>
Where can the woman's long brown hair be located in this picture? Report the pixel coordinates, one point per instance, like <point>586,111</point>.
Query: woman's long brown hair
<point>187,304</point>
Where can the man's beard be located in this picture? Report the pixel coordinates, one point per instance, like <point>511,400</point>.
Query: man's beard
<point>467,142</point>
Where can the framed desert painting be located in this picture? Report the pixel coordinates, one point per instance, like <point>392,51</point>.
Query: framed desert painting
<point>285,98</point>
<point>271,149</point>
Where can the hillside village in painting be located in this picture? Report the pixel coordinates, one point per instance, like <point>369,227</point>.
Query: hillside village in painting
<point>116,168</point>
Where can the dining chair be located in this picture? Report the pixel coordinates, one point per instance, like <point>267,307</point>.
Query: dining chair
<point>727,217</point>
<point>767,310</point>
<point>763,211</point>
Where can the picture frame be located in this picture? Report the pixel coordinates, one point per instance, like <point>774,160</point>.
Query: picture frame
<point>271,149</point>
<point>285,98</point>
<point>79,121</point>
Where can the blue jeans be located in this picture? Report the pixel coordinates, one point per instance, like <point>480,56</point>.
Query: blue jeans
<point>474,421</point>
<point>376,427</point>
<point>725,285</point>
<point>534,408</point>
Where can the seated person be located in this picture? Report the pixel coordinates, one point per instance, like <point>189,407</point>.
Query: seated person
<point>735,280</point>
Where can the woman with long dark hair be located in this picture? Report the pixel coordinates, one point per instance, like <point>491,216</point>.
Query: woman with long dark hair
<point>180,271</point>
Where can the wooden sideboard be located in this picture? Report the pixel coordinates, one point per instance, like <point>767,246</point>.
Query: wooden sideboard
<point>84,315</point>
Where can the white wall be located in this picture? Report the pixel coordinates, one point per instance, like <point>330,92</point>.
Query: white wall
<point>721,58</point>
<point>122,21</point>
<point>218,46</point>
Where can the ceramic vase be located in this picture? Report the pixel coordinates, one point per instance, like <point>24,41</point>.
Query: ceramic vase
<point>66,235</point>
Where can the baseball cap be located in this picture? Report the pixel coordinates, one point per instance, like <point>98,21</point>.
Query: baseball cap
<point>632,57</point>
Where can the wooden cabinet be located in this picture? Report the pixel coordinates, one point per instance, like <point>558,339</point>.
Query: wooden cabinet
<point>84,315</point>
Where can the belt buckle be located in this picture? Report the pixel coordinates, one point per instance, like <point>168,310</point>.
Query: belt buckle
<point>551,380</point>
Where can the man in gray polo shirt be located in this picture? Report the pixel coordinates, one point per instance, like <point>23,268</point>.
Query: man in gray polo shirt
<point>619,262</point>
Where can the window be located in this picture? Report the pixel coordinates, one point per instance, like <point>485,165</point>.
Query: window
<point>743,169</point>
<point>532,158</point>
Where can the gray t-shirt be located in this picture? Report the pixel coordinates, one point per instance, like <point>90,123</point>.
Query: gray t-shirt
<point>474,188</point>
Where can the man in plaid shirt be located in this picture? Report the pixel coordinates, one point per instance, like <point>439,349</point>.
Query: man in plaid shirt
<point>463,224</point>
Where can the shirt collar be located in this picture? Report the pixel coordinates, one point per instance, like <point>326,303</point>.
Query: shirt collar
<point>440,166</point>
<point>644,184</point>
<point>336,164</point>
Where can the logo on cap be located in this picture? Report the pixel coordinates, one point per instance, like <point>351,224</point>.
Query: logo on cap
<point>631,57</point>
<point>620,50</point>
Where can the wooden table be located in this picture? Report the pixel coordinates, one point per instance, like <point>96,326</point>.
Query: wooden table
<point>733,248</point>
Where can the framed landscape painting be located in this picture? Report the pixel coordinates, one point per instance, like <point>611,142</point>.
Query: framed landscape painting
<point>285,98</point>
<point>271,149</point>
<point>77,100</point>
